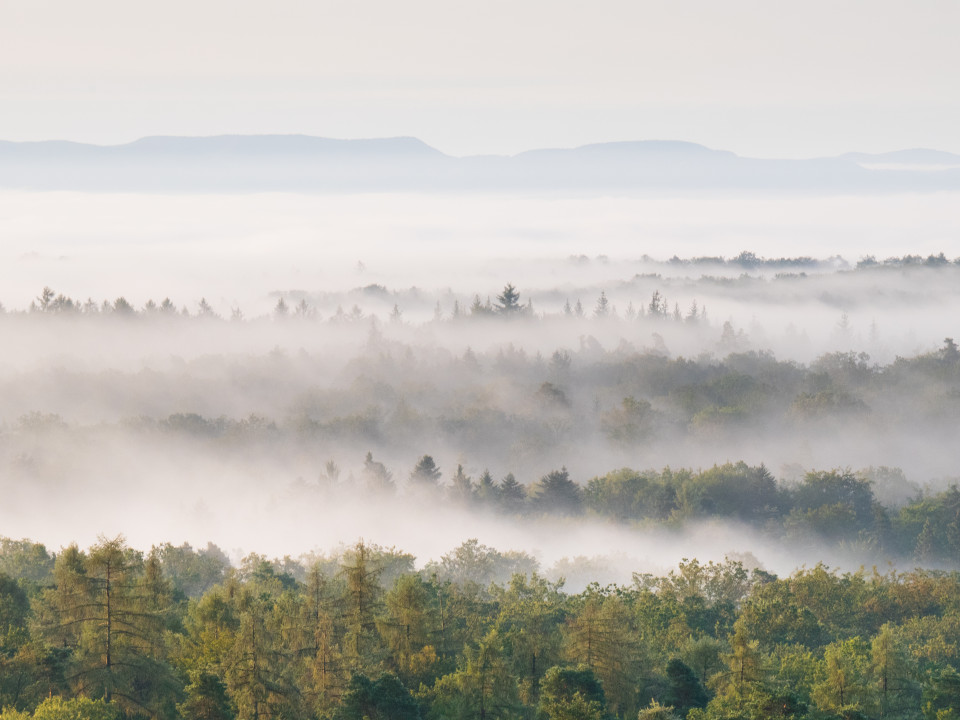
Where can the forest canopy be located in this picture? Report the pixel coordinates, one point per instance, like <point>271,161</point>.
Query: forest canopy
<point>109,632</point>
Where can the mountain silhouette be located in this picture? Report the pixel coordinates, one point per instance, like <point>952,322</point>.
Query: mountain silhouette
<point>253,163</point>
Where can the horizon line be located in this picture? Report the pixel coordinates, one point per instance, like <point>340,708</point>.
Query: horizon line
<point>552,148</point>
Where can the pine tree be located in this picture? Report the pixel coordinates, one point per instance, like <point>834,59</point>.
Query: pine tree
<point>462,490</point>
<point>205,310</point>
<point>425,473</point>
<point>206,698</point>
<point>486,488</point>
<point>476,307</point>
<point>602,309</point>
<point>658,305</point>
<point>302,310</point>
<point>377,477</point>
<point>511,494</point>
<point>685,690</point>
<point>508,302</point>
<point>555,492</point>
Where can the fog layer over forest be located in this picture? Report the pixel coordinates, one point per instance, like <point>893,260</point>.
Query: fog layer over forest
<point>266,371</point>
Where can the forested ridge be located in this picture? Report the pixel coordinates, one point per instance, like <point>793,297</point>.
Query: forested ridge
<point>111,632</point>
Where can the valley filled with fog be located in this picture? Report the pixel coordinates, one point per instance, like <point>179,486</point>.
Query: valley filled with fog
<point>448,361</point>
<point>228,368</point>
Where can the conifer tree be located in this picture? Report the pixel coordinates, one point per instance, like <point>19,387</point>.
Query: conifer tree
<point>362,603</point>
<point>462,490</point>
<point>602,309</point>
<point>425,472</point>
<point>508,302</point>
<point>111,614</point>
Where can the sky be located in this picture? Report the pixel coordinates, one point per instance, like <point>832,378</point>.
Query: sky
<point>759,77</point>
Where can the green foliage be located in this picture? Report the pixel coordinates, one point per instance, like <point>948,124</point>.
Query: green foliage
<point>843,685</point>
<point>56,708</point>
<point>941,698</point>
<point>109,609</point>
<point>531,614</point>
<point>481,687</point>
<point>684,690</point>
<point>206,699</point>
<point>656,711</point>
<point>192,572</point>
<point>14,610</point>
<point>475,565</point>
<point>25,560</point>
<point>602,636</point>
<point>556,493</point>
<point>264,644</point>
<point>836,488</point>
<point>572,694</point>
<point>382,699</point>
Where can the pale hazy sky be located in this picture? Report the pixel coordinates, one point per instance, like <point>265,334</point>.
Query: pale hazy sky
<point>760,77</point>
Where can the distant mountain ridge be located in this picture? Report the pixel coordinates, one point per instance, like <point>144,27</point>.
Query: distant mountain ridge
<point>250,163</point>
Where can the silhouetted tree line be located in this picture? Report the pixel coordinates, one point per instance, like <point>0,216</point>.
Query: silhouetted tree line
<point>507,304</point>
<point>110,633</point>
<point>837,507</point>
<point>626,397</point>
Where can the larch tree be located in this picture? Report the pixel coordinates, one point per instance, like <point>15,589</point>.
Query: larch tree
<point>362,602</point>
<point>109,608</point>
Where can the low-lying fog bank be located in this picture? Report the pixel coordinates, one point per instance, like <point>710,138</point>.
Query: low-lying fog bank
<point>237,369</point>
<point>236,251</point>
<point>253,486</point>
<point>401,391</point>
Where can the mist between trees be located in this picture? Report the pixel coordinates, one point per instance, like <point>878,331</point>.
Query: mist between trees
<point>203,421</point>
<point>110,632</point>
<point>809,415</point>
<point>797,307</point>
<point>504,408</point>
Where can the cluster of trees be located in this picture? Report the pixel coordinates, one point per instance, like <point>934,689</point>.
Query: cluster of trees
<point>750,261</point>
<point>935,261</point>
<point>627,396</point>
<point>507,305</point>
<point>524,408</point>
<point>837,507</point>
<point>110,633</point>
